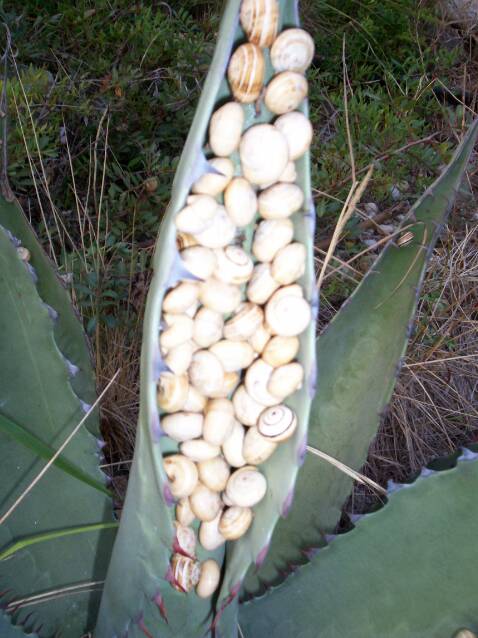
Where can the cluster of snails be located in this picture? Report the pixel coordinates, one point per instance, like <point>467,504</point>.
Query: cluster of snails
<point>215,343</point>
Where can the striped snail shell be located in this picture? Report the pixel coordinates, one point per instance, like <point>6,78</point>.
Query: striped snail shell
<point>225,129</point>
<point>247,319</point>
<point>172,391</point>
<point>208,579</point>
<point>260,21</point>
<point>234,265</point>
<point>264,154</point>
<point>235,522</point>
<point>185,240</point>
<point>293,50</point>
<point>182,475</point>
<point>186,539</point>
<point>285,92</point>
<point>277,423</point>
<point>246,72</point>
<point>246,487</point>
<point>186,572</point>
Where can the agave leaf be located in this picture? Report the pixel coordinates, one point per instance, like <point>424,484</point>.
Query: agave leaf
<point>128,606</point>
<point>36,393</point>
<point>406,571</point>
<point>359,356</point>
<point>9,630</point>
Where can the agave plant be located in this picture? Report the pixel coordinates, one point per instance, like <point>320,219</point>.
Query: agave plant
<point>287,570</point>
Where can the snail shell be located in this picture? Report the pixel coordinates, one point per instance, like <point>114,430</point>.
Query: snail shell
<point>256,382</point>
<point>186,539</point>
<point>234,355</point>
<point>192,309</point>
<point>231,379</point>
<point>208,327</point>
<point>260,338</point>
<point>247,319</point>
<point>225,129</point>
<point>234,266</point>
<point>262,284</point>
<point>179,330</point>
<point>245,487</point>
<point>182,426</point>
<point>184,513</point>
<point>271,235</point>
<point>287,314</point>
<point>260,20</point>
<point>186,572</point>
<point>293,50</point>
<point>289,175</point>
<point>285,92</point>
<point>199,260</point>
<point>235,522</point>
<point>215,181</point>
<point>257,448</point>
<point>297,130</point>
<point>264,154</point>
<point>289,263</point>
<point>218,421</point>
<point>208,579</point>
<point>180,298</point>
<point>206,372</point>
<point>23,253</point>
<point>209,535</point>
<point>214,473</point>
<point>240,201</point>
<point>179,358</point>
<point>220,232</point>
<point>219,296</point>
<point>280,350</point>
<point>280,201</point>
<point>464,633</point>
<point>195,402</point>
<point>246,72</point>
<point>232,446</point>
<point>205,503</point>
<point>286,379</point>
<point>197,216</point>
<point>199,450</point>
<point>182,475</point>
<point>185,240</point>
<point>278,423</point>
<point>246,409</point>
<point>172,391</point>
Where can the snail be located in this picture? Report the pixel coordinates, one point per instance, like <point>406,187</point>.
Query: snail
<point>182,475</point>
<point>180,298</point>
<point>186,539</point>
<point>185,573</point>
<point>214,473</point>
<point>260,21</point>
<point>286,379</point>
<point>297,130</point>
<point>219,296</point>
<point>246,409</point>
<point>287,312</point>
<point>260,338</point>
<point>185,240</point>
<point>197,215</point>
<point>172,391</point>
<point>179,329</point>
<point>235,522</point>
<point>271,235</point>
<point>179,358</point>
<point>184,513</point>
<point>234,355</point>
<point>209,578</point>
<point>209,535</point>
<point>256,382</point>
<point>199,261</point>
<point>205,503</point>
<point>293,50</point>
<point>289,263</point>
<point>219,233</point>
<point>182,426</point>
<point>215,181</point>
<point>199,450</point>
<point>240,201</point>
<point>206,372</point>
<point>225,129</point>
<point>218,421</point>
<point>232,446</point>
<point>208,327</point>
<point>195,401</point>
<point>277,423</point>
<point>234,266</point>
<point>246,72</point>
<point>285,92</point>
<point>257,448</point>
<point>231,379</point>
<point>264,154</point>
<point>23,253</point>
<point>280,350</point>
<point>245,322</point>
<point>280,201</point>
<point>262,284</point>
<point>245,487</point>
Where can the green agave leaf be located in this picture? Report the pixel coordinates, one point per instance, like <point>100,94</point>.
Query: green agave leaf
<point>9,630</point>
<point>358,358</point>
<point>68,331</point>
<point>36,393</point>
<point>406,571</point>
<point>133,605</point>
